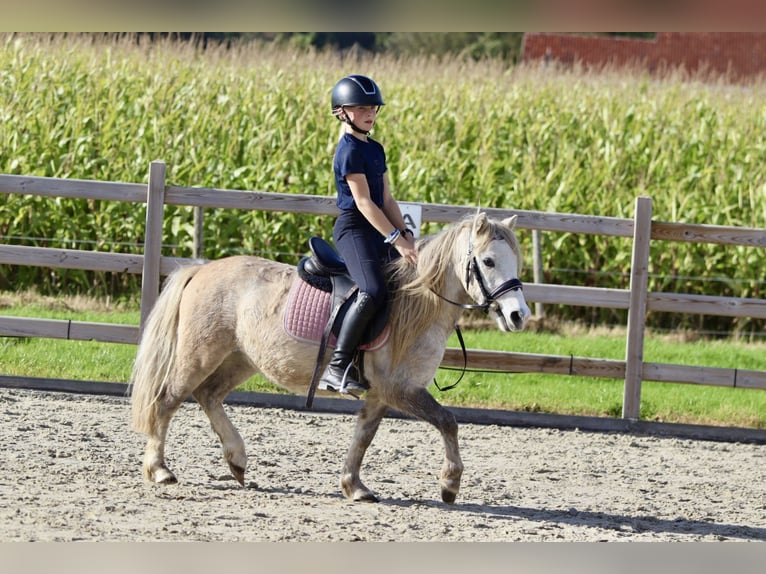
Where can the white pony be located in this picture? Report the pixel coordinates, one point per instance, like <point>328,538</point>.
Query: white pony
<point>216,324</point>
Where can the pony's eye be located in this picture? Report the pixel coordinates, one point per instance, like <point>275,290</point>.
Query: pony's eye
<point>488,262</point>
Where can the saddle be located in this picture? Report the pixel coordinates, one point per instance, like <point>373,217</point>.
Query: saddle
<point>321,295</point>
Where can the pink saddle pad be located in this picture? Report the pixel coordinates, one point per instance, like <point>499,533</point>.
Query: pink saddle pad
<point>307,312</point>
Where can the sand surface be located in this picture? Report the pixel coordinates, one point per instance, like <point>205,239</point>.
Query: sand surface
<point>71,471</point>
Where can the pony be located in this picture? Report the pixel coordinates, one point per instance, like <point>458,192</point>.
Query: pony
<point>217,323</point>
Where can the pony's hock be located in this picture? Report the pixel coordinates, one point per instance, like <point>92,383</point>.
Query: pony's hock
<point>216,324</point>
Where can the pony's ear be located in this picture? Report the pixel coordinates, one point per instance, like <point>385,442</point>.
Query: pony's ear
<point>510,222</point>
<point>480,221</point>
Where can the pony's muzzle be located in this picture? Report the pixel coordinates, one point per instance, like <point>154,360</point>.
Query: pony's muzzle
<point>513,315</point>
<point>518,320</point>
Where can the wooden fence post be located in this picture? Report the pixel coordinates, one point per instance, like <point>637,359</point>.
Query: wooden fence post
<point>639,280</point>
<point>197,244</point>
<point>537,268</point>
<point>150,277</point>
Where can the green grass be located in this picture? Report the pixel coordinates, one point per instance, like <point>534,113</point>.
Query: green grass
<point>88,360</point>
<point>59,359</point>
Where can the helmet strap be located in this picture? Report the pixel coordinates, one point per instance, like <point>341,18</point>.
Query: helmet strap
<point>345,118</point>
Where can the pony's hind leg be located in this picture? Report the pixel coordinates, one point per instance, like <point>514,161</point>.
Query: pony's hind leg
<point>418,402</point>
<point>155,468</point>
<point>190,370</point>
<point>210,395</point>
<point>367,424</point>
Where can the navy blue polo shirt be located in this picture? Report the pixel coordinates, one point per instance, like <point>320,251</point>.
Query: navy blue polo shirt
<point>356,156</point>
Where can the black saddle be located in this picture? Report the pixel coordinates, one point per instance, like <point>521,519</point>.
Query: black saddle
<point>325,259</point>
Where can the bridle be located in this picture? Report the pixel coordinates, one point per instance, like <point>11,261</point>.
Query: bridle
<point>472,272</point>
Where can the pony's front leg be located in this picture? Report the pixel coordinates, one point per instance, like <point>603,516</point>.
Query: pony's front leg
<point>418,402</point>
<point>367,424</point>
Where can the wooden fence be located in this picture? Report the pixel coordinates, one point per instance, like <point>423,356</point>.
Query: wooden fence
<point>637,299</point>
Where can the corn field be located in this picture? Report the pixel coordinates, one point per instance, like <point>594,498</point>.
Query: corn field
<point>257,117</point>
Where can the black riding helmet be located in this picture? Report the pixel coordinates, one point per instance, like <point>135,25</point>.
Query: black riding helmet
<point>355,90</point>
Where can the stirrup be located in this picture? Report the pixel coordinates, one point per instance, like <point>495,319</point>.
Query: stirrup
<point>347,384</point>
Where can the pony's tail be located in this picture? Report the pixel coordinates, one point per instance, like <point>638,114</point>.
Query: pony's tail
<point>156,351</point>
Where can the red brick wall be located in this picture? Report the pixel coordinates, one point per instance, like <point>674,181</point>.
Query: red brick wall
<point>740,54</point>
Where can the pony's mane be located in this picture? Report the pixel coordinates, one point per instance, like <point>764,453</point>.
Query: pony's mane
<point>415,307</point>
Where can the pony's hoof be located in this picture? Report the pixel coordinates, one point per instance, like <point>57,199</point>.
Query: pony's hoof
<point>365,496</point>
<point>353,489</point>
<point>448,496</point>
<point>450,487</point>
<point>164,476</point>
<point>238,473</point>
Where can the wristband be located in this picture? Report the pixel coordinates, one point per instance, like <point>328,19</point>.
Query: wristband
<point>393,236</point>
<point>408,230</point>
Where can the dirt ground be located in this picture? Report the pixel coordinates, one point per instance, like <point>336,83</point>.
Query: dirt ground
<point>71,471</point>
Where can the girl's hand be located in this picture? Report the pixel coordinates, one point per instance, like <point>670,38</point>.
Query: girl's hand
<point>405,245</point>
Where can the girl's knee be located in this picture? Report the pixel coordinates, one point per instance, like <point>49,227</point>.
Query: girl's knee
<point>376,297</point>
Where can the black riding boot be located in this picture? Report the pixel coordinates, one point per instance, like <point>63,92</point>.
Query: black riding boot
<point>337,375</point>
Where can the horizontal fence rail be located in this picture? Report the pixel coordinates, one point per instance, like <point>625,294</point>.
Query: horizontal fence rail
<point>637,300</point>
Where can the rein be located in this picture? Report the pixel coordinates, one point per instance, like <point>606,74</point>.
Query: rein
<point>459,334</point>
<point>489,298</point>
